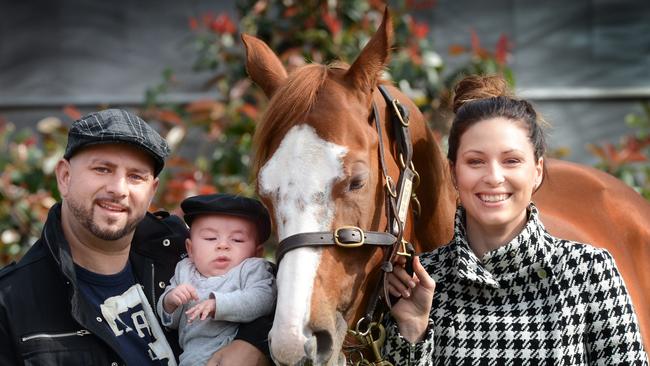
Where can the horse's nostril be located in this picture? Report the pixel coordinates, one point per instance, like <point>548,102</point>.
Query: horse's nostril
<point>324,344</point>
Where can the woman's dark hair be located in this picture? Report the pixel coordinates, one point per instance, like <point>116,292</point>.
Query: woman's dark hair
<point>477,98</point>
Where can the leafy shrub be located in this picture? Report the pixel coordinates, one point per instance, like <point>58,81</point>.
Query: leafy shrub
<point>299,32</point>
<point>211,138</point>
<point>629,160</point>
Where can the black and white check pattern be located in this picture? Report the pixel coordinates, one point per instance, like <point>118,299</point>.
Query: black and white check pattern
<point>537,300</point>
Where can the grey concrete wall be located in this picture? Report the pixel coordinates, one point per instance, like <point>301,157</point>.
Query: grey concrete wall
<point>88,51</point>
<point>584,63</point>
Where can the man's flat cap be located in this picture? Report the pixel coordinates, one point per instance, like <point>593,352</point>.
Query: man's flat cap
<point>228,204</point>
<point>117,126</point>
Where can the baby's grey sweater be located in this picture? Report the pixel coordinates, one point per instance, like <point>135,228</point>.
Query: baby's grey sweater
<point>243,294</point>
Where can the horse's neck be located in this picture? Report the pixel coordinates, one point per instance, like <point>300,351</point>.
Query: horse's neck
<point>436,194</point>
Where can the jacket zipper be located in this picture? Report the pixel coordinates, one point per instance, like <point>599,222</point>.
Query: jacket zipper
<point>153,286</point>
<point>79,333</point>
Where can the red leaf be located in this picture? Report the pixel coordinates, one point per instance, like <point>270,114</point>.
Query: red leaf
<point>205,109</point>
<point>332,23</point>
<point>631,151</point>
<point>72,112</point>
<point>377,4</point>
<point>207,189</point>
<point>477,50</point>
<point>611,153</point>
<point>207,18</point>
<point>290,12</point>
<point>310,22</point>
<point>414,52</point>
<point>202,106</point>
<point>223,24</point>
<point>456,49</point>
<point>420,30</point>
<point>501,52</point>
<point>194,23</point>
<point>249,110</point>
<point>476,43</point>
<point>30,141</point>
<point>177,161</point>
<point>169,117</point>
<point>597,150</point>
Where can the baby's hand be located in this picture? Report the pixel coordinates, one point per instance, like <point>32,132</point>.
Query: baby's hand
<point>180,295</point>
<point>203,310</point>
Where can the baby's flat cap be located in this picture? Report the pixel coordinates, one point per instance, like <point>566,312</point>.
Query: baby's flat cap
<point>228,204</point>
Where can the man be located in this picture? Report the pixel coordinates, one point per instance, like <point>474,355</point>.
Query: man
<point>83,294</point>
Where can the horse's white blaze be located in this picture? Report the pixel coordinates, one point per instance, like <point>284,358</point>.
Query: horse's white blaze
<point>298,179</point>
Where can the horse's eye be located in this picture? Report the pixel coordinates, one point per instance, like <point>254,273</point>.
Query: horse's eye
<point>357,183</point>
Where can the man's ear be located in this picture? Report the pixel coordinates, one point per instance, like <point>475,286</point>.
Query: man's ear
<point>154,188</point>
<point>188,247</point>
<point>62,171</point>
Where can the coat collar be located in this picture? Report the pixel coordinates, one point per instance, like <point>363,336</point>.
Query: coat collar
<point>525,254</point>
<point>57,244</point>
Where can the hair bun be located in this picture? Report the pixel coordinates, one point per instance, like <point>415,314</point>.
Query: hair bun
<point>475,87</point>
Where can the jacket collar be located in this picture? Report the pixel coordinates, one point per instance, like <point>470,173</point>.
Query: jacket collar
<point>526,253</point>
<point>56,242</point>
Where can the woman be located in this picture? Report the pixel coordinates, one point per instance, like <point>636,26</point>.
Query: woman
<point>506,291</point>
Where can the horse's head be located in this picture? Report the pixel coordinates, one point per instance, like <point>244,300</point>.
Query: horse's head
<point>317,166</point>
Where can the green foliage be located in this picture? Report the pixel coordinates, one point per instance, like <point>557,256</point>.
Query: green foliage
<point>211,138</point>
<point>629,160</point>
<point>299,32</point>
<point>27,183</point>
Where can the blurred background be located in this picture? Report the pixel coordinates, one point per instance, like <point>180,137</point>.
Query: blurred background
<point>585,64</point>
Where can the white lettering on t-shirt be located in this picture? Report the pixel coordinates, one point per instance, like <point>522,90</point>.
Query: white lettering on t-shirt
<point>114,306</point>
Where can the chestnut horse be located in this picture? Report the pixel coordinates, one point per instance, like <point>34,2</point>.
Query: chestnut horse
<point>317,168</point>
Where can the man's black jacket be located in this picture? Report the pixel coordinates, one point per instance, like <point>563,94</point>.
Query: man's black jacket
<point>44,320</point>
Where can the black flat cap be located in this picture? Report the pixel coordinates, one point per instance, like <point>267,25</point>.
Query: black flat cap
<point>228,204</point>
<point>117,126</point>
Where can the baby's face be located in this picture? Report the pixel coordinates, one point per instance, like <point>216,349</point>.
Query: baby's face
<point>220,242</point>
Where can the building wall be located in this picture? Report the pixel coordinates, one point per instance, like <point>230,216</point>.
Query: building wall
<point>584,63</point>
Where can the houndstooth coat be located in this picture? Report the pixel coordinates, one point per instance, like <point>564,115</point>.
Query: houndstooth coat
<point>537,300</point>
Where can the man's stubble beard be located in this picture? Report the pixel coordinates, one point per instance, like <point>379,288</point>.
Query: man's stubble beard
<point>85,217</point>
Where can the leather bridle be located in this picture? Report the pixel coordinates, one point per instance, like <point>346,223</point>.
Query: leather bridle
<point>369,329</point>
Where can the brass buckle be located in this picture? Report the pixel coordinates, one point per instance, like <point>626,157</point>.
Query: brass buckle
<point>417,208</point>
<point>416,177</point>
<point>349,245</point>
<point>395,104</point>
<point>389,187</point>
<point>403,252</point>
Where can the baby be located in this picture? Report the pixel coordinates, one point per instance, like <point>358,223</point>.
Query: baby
<point>222,278</point>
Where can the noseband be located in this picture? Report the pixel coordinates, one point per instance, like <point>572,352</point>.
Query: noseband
<point>369,330</point>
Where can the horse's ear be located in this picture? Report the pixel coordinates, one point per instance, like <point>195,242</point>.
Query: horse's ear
<point>263,66</point>
<point>366,69</point>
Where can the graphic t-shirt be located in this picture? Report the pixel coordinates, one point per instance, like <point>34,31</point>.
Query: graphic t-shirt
<point>118,302</point>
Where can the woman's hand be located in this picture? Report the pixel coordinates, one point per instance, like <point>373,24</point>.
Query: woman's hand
<point>412,311</point>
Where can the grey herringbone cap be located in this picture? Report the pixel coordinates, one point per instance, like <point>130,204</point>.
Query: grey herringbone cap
<point>117,126</point>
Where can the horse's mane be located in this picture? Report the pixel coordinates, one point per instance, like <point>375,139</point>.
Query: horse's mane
<point>290,103</point>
